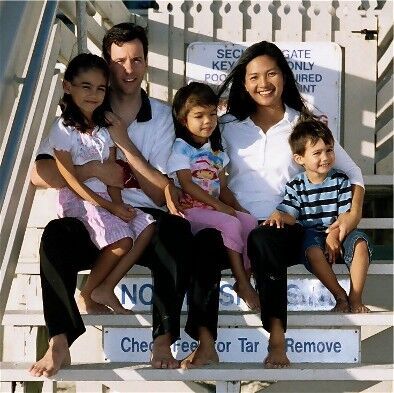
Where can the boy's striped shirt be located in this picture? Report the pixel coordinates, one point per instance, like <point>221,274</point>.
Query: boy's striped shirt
<point>317,205</point>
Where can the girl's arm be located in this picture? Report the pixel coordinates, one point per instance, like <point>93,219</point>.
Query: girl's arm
<point>196,192</point>
<point>227,196</point>
<point>67,170</point>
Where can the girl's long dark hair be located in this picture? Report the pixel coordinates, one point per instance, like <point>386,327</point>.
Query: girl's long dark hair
<point>240,104</point>
<point>71,114</point>
<point>187,97</point>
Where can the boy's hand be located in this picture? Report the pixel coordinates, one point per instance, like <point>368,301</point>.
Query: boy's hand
<point>222,207</point>
<point>345,222</point>
<point>123,211</point>
<point>275,219</point>
<point>333,247</point>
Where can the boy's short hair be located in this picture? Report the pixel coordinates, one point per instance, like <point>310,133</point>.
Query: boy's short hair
<point>122,33</point>
<point>309,130</point>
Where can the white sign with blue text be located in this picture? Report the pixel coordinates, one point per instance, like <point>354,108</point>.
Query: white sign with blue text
<point>303,294</point>
<point>241,345</point>
<point>317,67</point>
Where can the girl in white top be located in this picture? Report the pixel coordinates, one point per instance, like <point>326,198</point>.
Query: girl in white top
<point>197,165</point>
<point>264,104</point>
<point>80,136</point>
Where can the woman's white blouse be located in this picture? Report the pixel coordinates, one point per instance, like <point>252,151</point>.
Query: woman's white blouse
<point>261,163</point>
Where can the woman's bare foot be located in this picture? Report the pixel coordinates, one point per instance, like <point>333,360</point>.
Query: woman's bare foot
<point>161,353</point>
<point>108,298</point>
<point>248,294</point>
<point>202,356</point>
<point>57,356</point>
<point>342,305</point>
<point>87,306</point>
<point>277,357</point>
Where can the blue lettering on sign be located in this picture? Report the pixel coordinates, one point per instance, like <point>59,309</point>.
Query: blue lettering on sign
<point>133,345</point>
<point>248,346</point>
<point>311,346</point>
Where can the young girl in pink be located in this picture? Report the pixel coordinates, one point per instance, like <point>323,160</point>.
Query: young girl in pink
<point>197,164</point>
<point>79,136</point>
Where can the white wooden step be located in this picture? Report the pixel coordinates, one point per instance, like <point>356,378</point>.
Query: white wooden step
<point>220,372</point>
<point>144,319</point>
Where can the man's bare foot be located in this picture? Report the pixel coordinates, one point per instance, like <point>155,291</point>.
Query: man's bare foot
<point>57,356</point>
<point>161,353</point>
<point>87,306</point>
<point>277,357</point>
<point>342,305</point>
<point>202,356</point>
<point>108,298</point>
<point>359,308</point>
<point>248,294</point>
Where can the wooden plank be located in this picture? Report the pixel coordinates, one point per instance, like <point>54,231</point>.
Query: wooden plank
<point>218,372</point>
<point>226,319</point>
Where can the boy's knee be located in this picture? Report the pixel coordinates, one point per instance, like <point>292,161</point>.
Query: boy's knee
<point>361,246</point>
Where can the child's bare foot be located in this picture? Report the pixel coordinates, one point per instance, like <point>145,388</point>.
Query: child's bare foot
<point>88,306</point>
<point>108,298</point>
<point>276,357</point>
<point>342,305</point>
<point>57,356</point>
<point>161,356</point>
<point>202,356</point>
<point>248,294</point>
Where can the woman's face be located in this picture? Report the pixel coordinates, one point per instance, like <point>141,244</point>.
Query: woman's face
<point>264,81</point>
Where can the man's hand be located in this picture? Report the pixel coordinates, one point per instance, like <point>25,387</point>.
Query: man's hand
<point>275,219</point>
<point>173,197</point>
<point>345,222</point>
<point>333,247</point>
<point>123,211</point>
<point>117,128</point>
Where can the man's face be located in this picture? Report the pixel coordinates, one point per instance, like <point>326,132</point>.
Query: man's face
<point>127,67</point>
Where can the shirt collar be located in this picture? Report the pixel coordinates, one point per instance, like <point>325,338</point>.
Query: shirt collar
<point>145,112</point>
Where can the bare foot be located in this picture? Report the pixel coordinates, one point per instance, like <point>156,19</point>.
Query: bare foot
<point>108,298</point>
<point>88,306</point>
<point>277,357</point>
<point>161,353</point>
<point>342,305</point>
<point>248,294</point>
<point>358,308</point>
<point>57,356</point>
<point>202,356</point>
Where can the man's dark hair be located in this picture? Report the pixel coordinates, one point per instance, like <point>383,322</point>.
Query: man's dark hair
<point>309,130</point>
<point>122,33</point>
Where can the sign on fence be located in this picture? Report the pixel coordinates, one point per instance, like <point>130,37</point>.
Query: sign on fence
<point>303,294</point>
<point>248,345</point>
<point>317,67</point>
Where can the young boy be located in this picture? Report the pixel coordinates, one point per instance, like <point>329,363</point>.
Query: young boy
<point>315,198</point>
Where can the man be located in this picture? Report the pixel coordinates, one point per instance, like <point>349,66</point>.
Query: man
<point>145,146</point>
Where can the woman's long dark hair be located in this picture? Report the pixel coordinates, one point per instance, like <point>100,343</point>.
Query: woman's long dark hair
<point>240,103</point>
<point>187,97</point>
<point>71,114</point>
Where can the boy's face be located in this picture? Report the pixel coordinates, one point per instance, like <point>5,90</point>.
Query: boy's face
<point>127,67</point>
<point>318,159</point>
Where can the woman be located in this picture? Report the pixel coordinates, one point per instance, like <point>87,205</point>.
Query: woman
<point>264,104</point>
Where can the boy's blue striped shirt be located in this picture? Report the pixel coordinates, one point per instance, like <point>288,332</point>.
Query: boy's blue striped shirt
<point>317,205</point>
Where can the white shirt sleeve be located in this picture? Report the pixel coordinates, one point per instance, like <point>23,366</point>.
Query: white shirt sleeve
<point>344,163</point>
<point>179,158</point>
<point>60,137</point>
<point>161,148</point>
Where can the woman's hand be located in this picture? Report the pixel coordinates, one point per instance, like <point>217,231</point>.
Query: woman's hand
<point>117,128</point>
<point>275,219</point>
<point>345,222</point>
<point>123,211</point>
<point>333,246</point>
